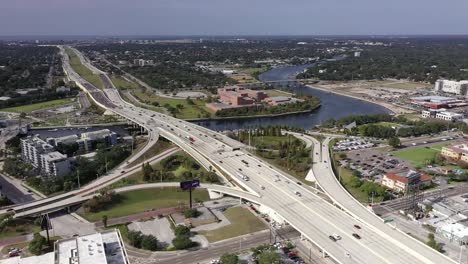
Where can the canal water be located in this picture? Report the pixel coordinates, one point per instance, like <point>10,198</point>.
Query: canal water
<point>333,106</point>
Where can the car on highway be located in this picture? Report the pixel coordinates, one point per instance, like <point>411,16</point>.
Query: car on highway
<point>356,236</point>
<point>298,193</point>
<point>336,236</point>
<point>357,227</point>
<point>332,238</point>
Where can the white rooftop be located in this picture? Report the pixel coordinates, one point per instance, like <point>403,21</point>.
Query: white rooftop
<point>42,259</point>
<point>55,155</point>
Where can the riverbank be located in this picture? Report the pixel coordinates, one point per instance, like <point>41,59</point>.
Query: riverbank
<point>253,116</point>
<point>392,108</point>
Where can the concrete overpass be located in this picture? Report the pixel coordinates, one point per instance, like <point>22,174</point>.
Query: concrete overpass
<point>314,217</point>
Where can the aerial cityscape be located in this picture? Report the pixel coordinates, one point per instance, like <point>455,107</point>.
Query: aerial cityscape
<point>216,132</point>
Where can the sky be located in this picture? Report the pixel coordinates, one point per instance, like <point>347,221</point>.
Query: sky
<point>233,17</point>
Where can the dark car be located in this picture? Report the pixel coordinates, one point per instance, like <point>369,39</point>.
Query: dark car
<point>356,236</point>
<point>357,227</point>
<point>332,238</point>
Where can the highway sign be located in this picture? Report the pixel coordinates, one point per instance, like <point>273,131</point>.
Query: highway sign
<point>387,220</point>
<point>188,185</point>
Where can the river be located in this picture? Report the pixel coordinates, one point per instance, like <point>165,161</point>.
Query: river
<point>333,106</point>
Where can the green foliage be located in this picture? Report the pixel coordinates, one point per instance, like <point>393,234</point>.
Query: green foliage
<point>182,242</point>
<point>16,167</point>
<point>433,243</point>
<point>36,244</point>
<point>101,201</point>
<point>135,238</point>
<point>410,60</point>
<point>394,142</point>
<point>181,230</point>
<point>104,220</point>
<point>269,257</point>
<point>309,103</point>
<point>227,258</point>
<point>192,213</point>
<point>149,242</point>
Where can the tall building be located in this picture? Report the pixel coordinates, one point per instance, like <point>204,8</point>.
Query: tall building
<point>105,247</point>
<point>32,148</point>
<point>453,87</point>
<point>43,157</point>
<point>55,164</point>
<point>89,140</point>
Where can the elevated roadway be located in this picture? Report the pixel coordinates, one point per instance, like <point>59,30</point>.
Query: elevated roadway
<point>314,217</point>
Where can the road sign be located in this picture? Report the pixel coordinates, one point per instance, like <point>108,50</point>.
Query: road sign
<point>188,185</point>
<point>387,220</point>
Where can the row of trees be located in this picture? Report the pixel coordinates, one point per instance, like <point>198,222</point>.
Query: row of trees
<point>414,61</point>
<point>309,103</point>
<point>139,240</point>
<point>84,170</point>
<point>101,201</point>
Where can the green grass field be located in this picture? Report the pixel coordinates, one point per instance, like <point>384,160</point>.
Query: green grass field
<point>188,111</point>
<point>419,155</point>
<point>121,83</point>
<point>138,201</point>
<point>37,106</point>
<point>156,149</point>
<point>82,70</point>
<point>242,222</point>
<point>273,93</point>
<point>137,177</point>
<point>19,227</point>
<point>406,85</point>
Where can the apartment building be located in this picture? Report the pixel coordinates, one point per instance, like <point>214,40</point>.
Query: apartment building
<point>399,181</point>
<point>55,164</point>
<point>89,140</point>
<point>453,87</point>
<point>455,152</point>
<point>32,148</point>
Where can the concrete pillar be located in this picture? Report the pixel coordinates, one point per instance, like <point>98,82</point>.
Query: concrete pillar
<point>214,194</point>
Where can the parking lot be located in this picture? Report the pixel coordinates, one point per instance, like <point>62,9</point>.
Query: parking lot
<point>372,163</point>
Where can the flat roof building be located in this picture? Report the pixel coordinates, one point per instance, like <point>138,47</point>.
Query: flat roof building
<point>453,87</point>
<point>105,247</point>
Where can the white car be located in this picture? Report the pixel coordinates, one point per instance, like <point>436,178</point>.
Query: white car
<point>336,236</point>
<point>297,193</point>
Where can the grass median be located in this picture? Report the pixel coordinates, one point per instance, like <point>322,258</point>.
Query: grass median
<point>38,106</point>
<point>138,201</point>
<point>242,222</point>
<point>82,70</point>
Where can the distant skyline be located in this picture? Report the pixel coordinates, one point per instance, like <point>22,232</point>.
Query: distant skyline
<point>241,17</point>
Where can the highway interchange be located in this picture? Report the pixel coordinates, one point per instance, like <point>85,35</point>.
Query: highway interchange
<point>311,215</point>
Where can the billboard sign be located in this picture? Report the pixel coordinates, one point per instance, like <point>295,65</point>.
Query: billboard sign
<point>187,185</point>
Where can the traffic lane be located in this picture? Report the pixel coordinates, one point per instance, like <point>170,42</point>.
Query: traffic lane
<point>411,245</point>
<point>13,193</point>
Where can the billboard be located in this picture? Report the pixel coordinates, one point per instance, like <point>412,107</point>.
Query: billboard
<point>187,185</point>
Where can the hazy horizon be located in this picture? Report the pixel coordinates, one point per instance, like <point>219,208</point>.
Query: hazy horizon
<point>232,18</point>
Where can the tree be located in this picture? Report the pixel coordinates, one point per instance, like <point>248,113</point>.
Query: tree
<point>182,242</point>
<point>268,257</point>
<point>229,258</point>
<point>149,242</point>
<point>181,230</point>
<point>36,244</point>
<point>394,142</point>
<point>192,213</point>
<point>433,243</point>
<point>104,220</point>
<point>135,238</point>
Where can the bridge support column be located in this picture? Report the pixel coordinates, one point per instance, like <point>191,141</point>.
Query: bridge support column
<point>215,195</point>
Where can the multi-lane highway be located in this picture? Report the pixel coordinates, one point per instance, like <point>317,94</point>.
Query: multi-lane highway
<point>314,217</point>
<point>323,172</point>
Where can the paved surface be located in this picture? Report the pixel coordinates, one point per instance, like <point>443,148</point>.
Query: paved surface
<point>14,191</point>
<point>160,228</point>
<point>308,213</point>
<point>329,183</point>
